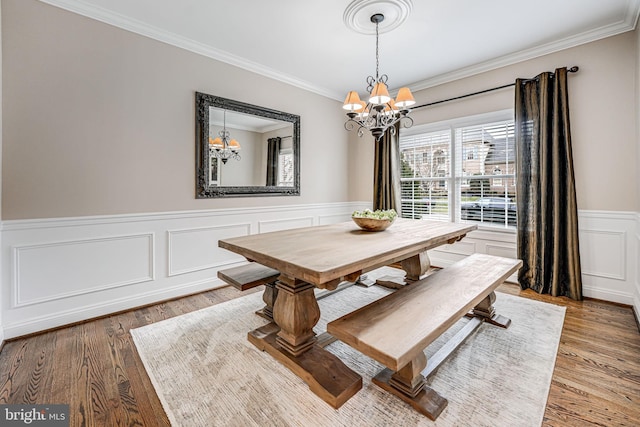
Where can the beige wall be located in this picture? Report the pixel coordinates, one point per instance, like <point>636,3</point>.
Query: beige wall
<point>603,105</point>
<point>361,171</point>
<point>99,120</point>
<point>637,117</point>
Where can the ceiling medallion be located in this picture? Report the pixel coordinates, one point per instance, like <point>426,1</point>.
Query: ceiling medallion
<point>358,14</point>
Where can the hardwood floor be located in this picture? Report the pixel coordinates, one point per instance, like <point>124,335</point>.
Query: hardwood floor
<point>94,366</point>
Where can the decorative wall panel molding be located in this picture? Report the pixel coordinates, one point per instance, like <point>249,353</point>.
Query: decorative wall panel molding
<point>196,249</point>
<point>107,264</point>
<point>464,247</point>
<point>51,271</point>
<point>64,270</point>
<point>284,224</point>
<point>332,219</point>
<point>603,253</point>
<point>609,259</point>
<point>501,250</point>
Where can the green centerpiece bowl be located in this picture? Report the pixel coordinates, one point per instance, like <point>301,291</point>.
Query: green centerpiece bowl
<point>377,220</point>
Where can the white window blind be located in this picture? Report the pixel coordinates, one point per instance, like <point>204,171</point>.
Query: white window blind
<point>426,175</point>
<point>285,168</point>
<point>462,173</point>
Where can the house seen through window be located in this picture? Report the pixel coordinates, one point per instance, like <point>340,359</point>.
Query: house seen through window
<point>461,172</point>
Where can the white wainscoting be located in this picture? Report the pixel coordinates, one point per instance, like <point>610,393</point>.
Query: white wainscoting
<point>609,253</point>
<point>484,240</point>
<point>59,271</point>
<point>636,262</point>
<point>2,267</point>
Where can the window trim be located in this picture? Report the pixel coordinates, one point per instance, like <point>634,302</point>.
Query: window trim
<point>451,125</point>
<point>473,120</point>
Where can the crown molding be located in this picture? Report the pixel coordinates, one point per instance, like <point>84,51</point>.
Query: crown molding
<point>622,26</point>
<point>135,26</point>
<point>138,27</point>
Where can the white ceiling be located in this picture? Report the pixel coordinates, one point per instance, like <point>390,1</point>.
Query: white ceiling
<point>307,44</point>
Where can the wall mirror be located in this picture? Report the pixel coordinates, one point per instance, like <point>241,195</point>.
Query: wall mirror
<point>266,159</point>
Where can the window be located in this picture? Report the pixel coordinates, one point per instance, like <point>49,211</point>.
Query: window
<point>470,153</point>
<point>425,175</point>
<point>461,171</point>
<point>497,181</point>
<point>285,168</point>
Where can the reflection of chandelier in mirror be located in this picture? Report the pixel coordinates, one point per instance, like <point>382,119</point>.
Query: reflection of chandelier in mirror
<point>223,148</point>
<point>381,112</point>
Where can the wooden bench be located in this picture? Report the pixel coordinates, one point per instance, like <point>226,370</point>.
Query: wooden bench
<point>251,275</point>
<point>396,329</point>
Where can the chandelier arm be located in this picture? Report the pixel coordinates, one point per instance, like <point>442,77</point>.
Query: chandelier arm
<point>351,124</point>
<point>371,82</point>
<point>406,121</point>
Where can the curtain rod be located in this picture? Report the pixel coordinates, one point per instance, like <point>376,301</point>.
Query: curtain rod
<point>573,69</point>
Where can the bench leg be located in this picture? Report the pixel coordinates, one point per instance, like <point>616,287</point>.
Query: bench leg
<point>269,297</point>
<point>487,312</point>
<point>409,385</point>
<point>409,379</point>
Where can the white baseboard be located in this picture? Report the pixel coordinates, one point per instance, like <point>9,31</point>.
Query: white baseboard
<point>103,308</point>
<point>60,271</point>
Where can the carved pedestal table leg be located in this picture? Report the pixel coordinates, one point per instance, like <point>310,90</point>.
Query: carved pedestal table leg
<point>296,311</point>
<point>416,266</point>
<point>409,385</point>
<point>269,297</point>
<point>290,339</point>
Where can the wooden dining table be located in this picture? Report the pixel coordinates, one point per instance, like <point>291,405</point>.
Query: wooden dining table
<point>323,257</point>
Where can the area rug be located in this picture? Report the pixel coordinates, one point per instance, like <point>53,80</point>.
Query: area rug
<point>206,373</point>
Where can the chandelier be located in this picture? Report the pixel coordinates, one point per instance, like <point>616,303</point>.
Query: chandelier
<point>222,147</point>
<point>381,112</point>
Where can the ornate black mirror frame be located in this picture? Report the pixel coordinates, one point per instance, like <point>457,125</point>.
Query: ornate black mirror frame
<point>203,189</point>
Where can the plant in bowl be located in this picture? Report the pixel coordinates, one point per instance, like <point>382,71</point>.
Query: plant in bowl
<point>377,220</point>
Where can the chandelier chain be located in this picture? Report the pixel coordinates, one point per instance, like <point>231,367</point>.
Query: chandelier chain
<point>377,55</point>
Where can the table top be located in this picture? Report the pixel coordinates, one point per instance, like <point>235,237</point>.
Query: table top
<point>322,254</point>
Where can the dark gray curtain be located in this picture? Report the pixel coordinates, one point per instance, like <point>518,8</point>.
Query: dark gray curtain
<point>273,150</point>
<point>386,172</point>
<point>546,201</point>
